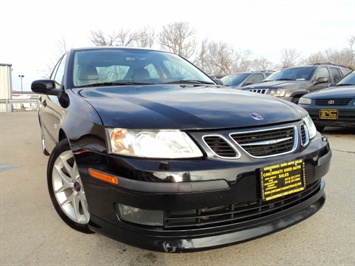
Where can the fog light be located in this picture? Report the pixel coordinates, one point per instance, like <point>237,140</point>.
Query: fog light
<point>140,216</point>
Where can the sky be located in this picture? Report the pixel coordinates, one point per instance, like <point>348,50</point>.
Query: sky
<point>30,30</point>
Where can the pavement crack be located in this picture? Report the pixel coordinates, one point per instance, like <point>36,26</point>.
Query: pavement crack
<point>352,152</point>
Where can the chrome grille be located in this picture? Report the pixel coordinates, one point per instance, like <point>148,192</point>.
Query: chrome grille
<point>333,102</point>
<point>262,91</point>
<point>220,146</point>
<point>268,142</point>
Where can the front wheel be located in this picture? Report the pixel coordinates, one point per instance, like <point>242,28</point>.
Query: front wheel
<point>66,188</point>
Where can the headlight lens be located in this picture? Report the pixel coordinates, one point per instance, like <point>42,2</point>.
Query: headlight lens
<point>278,92</point>
<point>304,101</point>
<point>311,127</point>
<point>152,143</point>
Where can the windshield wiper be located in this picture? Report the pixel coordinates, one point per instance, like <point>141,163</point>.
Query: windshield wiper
<point>116,83</point>
<point>283,79</point>
<point>344,84</point>
<point>188,82</point>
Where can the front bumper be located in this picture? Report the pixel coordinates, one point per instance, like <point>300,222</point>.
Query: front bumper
<point>345,118</point>
<point>196,240</point>
<point>209,213</point>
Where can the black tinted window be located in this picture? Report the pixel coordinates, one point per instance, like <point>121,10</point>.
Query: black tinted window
<point>335,72</point>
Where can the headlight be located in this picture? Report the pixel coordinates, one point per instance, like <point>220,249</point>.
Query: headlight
<point>278,92</point>
<point>311,127</point>
<point>304,101</point>
<point>152,143</point>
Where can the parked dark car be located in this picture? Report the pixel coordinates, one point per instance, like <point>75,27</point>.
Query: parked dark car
<point>147,149</point>
<point>334,106</point>
<point>294,82</point>
<point>244,79</point>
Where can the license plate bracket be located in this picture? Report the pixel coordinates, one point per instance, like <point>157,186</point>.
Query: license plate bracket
<point>282,179</point>
<point>328,114</point>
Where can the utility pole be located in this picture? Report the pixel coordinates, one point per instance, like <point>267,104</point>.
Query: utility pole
<point>21,77</point>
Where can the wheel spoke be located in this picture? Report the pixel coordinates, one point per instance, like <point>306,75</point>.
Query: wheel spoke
<point>70,170</point>
<point>66,181</point>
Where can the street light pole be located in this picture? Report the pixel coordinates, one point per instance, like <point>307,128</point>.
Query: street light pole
<point>21,77</point>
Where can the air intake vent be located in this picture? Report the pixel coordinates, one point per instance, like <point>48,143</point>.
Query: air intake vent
<point>261,91</point>
<point>220,146</point>
<point>304,135</point>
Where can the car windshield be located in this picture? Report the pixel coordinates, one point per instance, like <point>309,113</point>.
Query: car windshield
<point>296,73</point>
<point>234,80</point>
<point>347,80</point>
<point>105,67</point>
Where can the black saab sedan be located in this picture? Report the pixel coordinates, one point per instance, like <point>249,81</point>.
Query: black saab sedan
<point>334,106</point>
<point>147,149</point>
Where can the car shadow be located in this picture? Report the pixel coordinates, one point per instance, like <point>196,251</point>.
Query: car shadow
<point>338,131</point>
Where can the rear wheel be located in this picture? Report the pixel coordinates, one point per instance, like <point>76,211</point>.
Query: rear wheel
<point>66,188</point>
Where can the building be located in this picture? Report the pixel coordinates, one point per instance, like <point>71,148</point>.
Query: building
<point>5,87</point>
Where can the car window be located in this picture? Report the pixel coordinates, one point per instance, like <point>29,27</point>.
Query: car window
<point>348,79</point>
<point>322,72</point>
<point>296,73</point>
<point>254,78</point>
<point>336,73</point>
<point>234,80</point>
<point>126,65</point>
<point>58,72</point>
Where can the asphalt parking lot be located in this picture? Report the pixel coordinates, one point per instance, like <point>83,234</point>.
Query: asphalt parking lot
<point>31,232</point>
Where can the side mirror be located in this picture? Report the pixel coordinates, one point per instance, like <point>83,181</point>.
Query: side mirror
<point>322,80</point>
<point>45,86</point>
<point>218,81</point>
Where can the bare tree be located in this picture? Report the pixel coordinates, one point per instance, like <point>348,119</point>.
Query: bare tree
<point>242,62</point>
<point>289,57</point>
<point>260,64</point>
<point>344,57</point>
<point>145,37</point>
<point>61,48</point>
<point>178,38</point>
<point>201,59</point>
<point>122,38</point>
<point>352,51</point>
<point>220,58</point>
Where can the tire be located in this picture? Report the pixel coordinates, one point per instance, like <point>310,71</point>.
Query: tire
<point>66,188</point>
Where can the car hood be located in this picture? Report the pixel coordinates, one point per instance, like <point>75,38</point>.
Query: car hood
<point>281,83</point>
<point>186,107</point>
<point>336,92</point>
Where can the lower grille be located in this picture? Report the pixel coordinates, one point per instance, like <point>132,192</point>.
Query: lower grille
<point>261,91</point>
<point>235,213</point>
<point>331,102</point>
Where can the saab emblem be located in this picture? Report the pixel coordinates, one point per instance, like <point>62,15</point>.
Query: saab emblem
<point>256,116</point>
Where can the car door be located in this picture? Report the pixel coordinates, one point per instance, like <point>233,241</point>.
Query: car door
<point>50,110</point>
<point>253,79</point>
